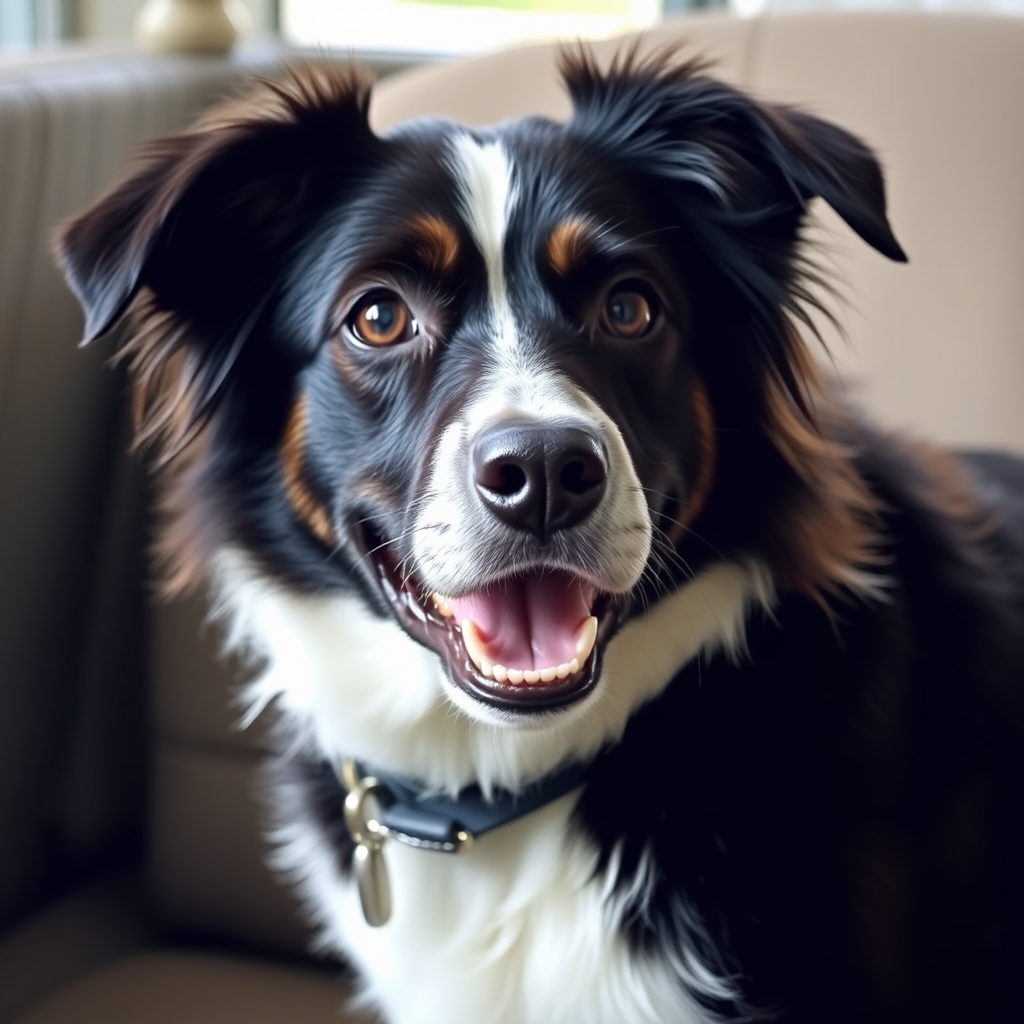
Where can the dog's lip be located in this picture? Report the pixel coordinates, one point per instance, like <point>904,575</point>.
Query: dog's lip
<point>419,615</point>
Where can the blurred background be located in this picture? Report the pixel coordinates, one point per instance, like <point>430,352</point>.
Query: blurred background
<point>409,28</point>
<point>133,884</point>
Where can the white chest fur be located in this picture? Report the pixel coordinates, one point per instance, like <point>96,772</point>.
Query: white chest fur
<point>518,929</point>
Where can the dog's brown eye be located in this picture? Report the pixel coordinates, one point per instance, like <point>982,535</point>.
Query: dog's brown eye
<point>628,314</point>
<point>382,319</point>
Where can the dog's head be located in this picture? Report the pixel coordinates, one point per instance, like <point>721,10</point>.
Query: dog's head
<point>509,385</point>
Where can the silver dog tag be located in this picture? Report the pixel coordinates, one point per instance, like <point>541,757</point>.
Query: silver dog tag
<point>368,862</point>
<point>371,872</point>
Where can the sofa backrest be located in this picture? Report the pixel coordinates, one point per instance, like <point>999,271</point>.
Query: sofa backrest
<point>72,607</point>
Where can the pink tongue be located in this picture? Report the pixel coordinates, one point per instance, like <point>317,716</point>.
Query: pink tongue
<point>529,622</point>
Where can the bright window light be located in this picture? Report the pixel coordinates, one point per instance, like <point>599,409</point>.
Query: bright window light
<point>455,27</point>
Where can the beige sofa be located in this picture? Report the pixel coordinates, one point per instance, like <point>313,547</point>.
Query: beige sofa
<point>132,884</point>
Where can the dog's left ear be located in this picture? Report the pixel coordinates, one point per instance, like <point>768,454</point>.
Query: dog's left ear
<point>760,163</point>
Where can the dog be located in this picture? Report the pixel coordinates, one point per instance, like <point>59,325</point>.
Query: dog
<point>624,674</point>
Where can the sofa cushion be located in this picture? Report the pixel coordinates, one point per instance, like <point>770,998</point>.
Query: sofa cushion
<point>71,938</point>
<point>207,870</point>
<point>195,988</point>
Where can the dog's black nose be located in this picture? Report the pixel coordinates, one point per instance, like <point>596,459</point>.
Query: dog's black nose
<point>539,477</point>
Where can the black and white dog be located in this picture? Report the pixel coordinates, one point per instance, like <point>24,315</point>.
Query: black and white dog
<point>628,676</point>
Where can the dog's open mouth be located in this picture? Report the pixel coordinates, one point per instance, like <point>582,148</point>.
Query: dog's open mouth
<point>526,642</point>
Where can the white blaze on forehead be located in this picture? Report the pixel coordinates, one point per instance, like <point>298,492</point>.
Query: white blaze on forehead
<point>484,175</point>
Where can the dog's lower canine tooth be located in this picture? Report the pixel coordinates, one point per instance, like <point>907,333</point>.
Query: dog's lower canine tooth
<point>474,644</point>
<point>585,640</point>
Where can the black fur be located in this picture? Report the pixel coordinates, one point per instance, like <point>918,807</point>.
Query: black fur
<point>842,813</point>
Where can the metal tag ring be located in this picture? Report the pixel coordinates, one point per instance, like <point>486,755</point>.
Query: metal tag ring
<point>362,828</point>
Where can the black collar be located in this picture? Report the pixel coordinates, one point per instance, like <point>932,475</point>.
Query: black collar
<point>447,825</point>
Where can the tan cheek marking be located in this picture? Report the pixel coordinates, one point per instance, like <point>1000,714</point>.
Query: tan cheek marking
<point>302,499</point>
<point>568,244</point>
<point>436,242</point>
<point>163,401</point>
<point>707,460</point>
<point>951,489</point>
<point>188,537</point>
<point>375,492</point>
<point>829,534</point>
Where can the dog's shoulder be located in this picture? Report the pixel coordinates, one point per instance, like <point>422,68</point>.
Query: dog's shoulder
<point>812,778</point>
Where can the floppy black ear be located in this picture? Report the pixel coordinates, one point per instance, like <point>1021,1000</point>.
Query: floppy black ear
<point>824,160</point>
<point>205,214</point>
<point>760,162</point>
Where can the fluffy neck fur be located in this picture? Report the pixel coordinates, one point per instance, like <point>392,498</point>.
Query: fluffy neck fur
<point>352,684</point>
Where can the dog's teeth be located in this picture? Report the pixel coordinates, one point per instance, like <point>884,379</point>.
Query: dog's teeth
<point>585,640</point>
<point>475,647</point>
<point>442,605</point>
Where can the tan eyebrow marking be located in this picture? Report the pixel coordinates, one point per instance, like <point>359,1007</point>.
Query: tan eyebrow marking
<point>436,242</point>
<point>569,242</point>
<point>301,496</point>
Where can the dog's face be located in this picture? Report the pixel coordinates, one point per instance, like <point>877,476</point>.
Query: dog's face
<point>489,344</point>
<point>510,386</point>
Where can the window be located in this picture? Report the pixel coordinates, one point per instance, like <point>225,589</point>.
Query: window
<point>455,27</point>
<point>25,23</point>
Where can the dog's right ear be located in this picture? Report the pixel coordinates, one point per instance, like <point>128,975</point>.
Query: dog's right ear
<point>205,215</point>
